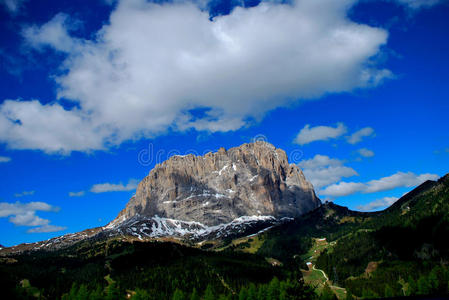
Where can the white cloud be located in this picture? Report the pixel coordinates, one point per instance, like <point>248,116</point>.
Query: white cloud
<point>76,194</point>
<point>4,159</point>
<point>24,193</point>
<point>365,152</point>
<point>52,34</point>
<point>111,187</point>
<point>31,125</point>
<point>399,179</point>
<point>342,189</point>
<point>357,136</point>
<point>152,64</point>
<point>378,204</point>
<point>319,133</point>
<point>24,214</point>
<point>322,170</point>
<point>28,218</point>
<point>12,6</point>
<point>46,228</point>
<point>416,4</point>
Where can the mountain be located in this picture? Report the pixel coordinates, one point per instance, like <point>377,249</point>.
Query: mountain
<point>402,250</point>
<point>218,196</point>
<point>251,180</point>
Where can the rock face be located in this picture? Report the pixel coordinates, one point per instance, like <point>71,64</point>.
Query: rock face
<point>251,180</point>
<point>224,195</point>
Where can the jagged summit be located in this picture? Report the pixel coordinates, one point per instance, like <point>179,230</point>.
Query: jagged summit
<point>226,194</point>
<point>253,179</point>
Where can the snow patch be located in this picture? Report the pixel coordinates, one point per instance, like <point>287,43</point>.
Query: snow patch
<point>222,169</point>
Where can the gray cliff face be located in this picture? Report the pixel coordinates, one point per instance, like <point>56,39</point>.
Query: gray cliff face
<point>253,179</point>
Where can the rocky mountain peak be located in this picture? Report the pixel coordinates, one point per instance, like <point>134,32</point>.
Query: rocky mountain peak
<point>254,179</point>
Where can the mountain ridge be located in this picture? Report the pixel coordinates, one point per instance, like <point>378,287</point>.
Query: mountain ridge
<point>399,251</point>
<point>220,195</point>
<point>251,179</point>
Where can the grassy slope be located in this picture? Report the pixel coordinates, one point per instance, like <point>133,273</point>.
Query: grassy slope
<point>403,238</point>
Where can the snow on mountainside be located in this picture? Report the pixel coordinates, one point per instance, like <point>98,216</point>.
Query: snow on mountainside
<point>252,179</point>
<point>221,195</point>
<point>144,229</point>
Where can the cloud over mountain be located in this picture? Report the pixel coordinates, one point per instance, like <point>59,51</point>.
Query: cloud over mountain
<point>377,204</point>
<point>322,170</point>
<point>111,187</point>
<point>319,133</point>
<point>399,179</point>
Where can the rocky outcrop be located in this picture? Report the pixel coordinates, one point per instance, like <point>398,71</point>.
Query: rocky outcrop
<point>228,194</point>
<point>251,180</point>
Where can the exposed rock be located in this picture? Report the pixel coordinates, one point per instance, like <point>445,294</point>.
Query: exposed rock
<point>251,180</point>
<point>222,195</point>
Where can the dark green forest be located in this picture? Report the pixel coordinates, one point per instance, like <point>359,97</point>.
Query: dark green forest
<point>401,251</point>
<point>151,270</point>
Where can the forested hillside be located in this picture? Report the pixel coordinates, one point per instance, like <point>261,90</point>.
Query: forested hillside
<point>401,251</point>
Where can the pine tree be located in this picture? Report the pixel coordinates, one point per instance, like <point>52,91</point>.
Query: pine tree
<point>209,293</point>
<point>112,291</point>
<point>97,294</point>
<point>424,287</point>
<point>83,293</point>
<point>243,294</point>
<point>412,287</point>
<point>73,292</point>
<point>178,295</point>
<point>262,292</point>
<point>273,289</point>
<point>252,292</point>
<point>194,295</point>
<point>388,291</point>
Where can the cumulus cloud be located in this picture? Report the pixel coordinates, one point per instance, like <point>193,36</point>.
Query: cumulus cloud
<point>111,187</point>
<point>378,204</point>
<point>53,34</point>
<point>24,214</point>
<point>321,170</point>
<point>319,133</point>
<point>13,6</point>
<point>31,125</point>
<point>24,193</point>
<point>366,152</point>
<point>4,159</point>
<point>76,194</point>
<point>399,179</point>
<point>342,189</point>
<point>155,66</point>
<point>358,136</point>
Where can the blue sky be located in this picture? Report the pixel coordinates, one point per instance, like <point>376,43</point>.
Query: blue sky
<point>94,93</point>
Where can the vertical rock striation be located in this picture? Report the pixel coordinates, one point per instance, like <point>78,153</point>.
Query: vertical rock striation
<point>252,179</point>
